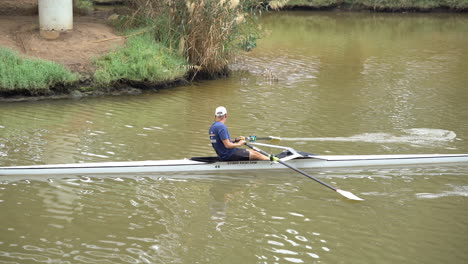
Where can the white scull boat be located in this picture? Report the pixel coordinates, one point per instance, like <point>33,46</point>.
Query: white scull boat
<point>292,157</point>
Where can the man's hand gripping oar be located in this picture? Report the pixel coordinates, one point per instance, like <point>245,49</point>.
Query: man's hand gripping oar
<point>346,194</point>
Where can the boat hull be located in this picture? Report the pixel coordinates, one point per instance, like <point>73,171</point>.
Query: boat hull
<point>187,165</point>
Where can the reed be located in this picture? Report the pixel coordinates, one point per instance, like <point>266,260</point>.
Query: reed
<point>207,33</point>
<point>33,76</point>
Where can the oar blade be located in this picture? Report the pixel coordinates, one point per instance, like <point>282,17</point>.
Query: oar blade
<point>349,195</point>
<point>344,193</point>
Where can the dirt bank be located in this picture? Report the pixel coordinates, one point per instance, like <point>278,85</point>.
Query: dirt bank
<point>18,7</point>
<point>74,50</point>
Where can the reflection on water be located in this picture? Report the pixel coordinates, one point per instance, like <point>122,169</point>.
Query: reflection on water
<point>335,83</point>
<point>278,217</point>
<point>455,191</point>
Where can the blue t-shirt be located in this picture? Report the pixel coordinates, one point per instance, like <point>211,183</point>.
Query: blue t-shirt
<point>219,132</point>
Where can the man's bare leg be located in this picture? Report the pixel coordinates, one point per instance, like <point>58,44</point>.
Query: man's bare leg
<point>254,155</point>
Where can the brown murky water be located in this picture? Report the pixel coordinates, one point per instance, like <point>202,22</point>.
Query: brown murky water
<point>328,83</point>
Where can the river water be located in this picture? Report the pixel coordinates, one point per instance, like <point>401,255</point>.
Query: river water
<point>327,83</point>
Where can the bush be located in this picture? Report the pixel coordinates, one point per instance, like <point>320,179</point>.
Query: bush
<point>207,33</point>
<point>141,59</point>
<point>84,7</point>
<point>32,75</point>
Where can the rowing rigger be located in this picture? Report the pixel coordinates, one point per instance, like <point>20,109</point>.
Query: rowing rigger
<point>294,158</point>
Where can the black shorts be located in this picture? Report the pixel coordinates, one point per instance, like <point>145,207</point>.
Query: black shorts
<point>239,154</point>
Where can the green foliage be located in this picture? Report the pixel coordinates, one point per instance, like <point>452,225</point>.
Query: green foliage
<point>375,4</point>
<point>399,4</point>
<point>141,59</point>
<point>313,3</point>
<point>249,42</point>
<point>412,4</point>
<point>84,6</point>
<point>457,4</point>
<point>207,33</point>
<point>33,75</point>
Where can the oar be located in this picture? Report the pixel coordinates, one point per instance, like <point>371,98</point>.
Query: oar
<point>346,194</point>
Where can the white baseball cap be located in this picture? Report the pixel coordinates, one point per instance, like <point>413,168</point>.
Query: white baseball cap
<point>220,111</point>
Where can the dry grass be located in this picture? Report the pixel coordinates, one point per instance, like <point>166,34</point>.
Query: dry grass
<point>207,33</point>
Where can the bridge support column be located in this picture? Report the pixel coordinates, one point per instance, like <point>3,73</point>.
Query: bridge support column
<point>55,17</point>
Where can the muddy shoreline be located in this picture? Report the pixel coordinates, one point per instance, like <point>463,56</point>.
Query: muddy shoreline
<point>78,92</point>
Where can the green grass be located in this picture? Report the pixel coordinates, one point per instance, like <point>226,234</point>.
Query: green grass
<point>30,75</point>
<point>379,4</point>
<point>141,59</point>
<point>457,4</point>
<point>313,3</point>
<point>83,6</point>
<point>401,4</point>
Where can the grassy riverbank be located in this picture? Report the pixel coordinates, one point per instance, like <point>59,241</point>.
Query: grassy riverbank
<point>376,5</point>
<point>142,60</point>
<point>31,76</point>
<point>179,40</point>
<point>166,41</point>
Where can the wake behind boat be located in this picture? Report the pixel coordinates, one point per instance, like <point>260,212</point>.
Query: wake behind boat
<point>296,159</point>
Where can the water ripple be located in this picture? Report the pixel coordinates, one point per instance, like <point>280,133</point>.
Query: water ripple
<point>329,79</point>
<point>456,191</point>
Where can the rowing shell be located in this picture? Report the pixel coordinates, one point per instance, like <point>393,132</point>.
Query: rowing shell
<point>296,159</point>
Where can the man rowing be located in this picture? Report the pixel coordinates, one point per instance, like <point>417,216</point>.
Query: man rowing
<point>227,149</point>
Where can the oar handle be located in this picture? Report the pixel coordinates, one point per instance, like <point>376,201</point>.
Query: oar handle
<point>255,138</point>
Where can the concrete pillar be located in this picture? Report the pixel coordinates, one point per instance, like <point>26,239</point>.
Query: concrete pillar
<point>55,16</point>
